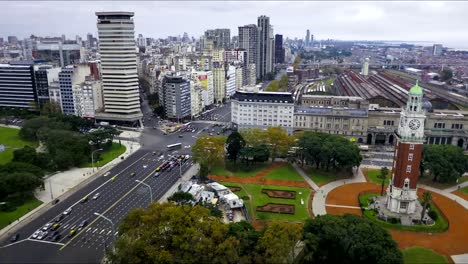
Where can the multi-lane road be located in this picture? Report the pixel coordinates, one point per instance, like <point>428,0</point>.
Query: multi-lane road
<point>119,193</point>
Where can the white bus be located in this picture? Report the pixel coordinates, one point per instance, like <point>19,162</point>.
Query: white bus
<point>174,146</point>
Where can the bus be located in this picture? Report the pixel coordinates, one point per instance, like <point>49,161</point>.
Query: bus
<point>174,146</point>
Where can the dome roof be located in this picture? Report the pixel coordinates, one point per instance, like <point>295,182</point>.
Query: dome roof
<point>416,89</point>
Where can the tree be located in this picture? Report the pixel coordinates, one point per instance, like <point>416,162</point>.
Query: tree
<point>283,83</point>
<point>166,233</point>
<point>253,136</point>
<point>383,176</point>
<point>18,186</point>
<point>273,86</point>
<point>278,242</point>
<point>426,199</point>
<point>348,239</point>
<point>30,128</point>
<point>235,143</point>
<point>447,74</point>
<point>446,163</point>
<point>51,107</point>
<point>209,150</point>
<point>99,136</point>
<point>181,198</point>
<point>248,237</point>
<point>278,141</point>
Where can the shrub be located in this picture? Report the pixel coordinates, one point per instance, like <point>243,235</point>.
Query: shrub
<point>394,220</point>
<point>433,214</point>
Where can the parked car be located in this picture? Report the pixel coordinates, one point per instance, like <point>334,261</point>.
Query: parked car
<point>14,238</point>
<point>42,235</point>
<point>46,226</point>
<point>36,234</point>
<point>67,212</point>
<point>132,174</point>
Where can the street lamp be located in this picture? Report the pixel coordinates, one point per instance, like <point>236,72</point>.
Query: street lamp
<point>110,221</point>
<point>149,187</point>
<point>180,165</point>
<point>92,157</point>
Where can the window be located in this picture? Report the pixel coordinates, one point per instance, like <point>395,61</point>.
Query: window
<point>408,169</point>
<point>403,205</point>
<point>410,157</point>
<point>411,146</point>
<point>388,122</point>
<point>406,184</point>
<point>457,126</point>
<point>439,125</point>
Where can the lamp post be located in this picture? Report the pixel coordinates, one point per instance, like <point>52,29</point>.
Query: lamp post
<point>149,187</point>
<point>92,157</point>
<point>110,221</point>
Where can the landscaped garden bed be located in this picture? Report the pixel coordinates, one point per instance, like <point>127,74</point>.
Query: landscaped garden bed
<point>280,194</point>
<point>277,208</point>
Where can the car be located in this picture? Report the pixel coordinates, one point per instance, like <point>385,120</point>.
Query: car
<point>113,178</point>
<point>67,212</point>
<point>54,234</point>
<point>154,127</point>
<point>42,235</point>
<point>56,237</point>
<point>14,238</point>
<point>55,227</point>
<point>217,133</point>
<point>106,174</point>
<point>180,136</point>
<point>158,168</point>
<point>36,234</point>
<point>132,174</point>
<point>96,196</point>
<point>59,218</point>
<point>211,134</point>
<point>83,224</point>
<point>56,201</point>
<point>72,233</point>
<point>46,227</point>
<point>156,174</point>
<point>84,200</point>
<point>154,153</point>
<point>145,166</point>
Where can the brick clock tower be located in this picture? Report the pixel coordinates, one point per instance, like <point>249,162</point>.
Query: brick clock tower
<point>401,193</point>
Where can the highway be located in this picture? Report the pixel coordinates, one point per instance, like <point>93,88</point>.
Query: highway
<point>119,194</point>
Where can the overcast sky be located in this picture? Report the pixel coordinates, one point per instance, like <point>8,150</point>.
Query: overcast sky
<point>442,22</point>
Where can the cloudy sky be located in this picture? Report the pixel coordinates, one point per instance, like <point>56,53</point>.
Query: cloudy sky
<point>443,22</point>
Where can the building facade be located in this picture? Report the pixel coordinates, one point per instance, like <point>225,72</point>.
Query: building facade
<point>17,85</point>
<point>219,81</point>
<point>402,191</point>
<point>262,110</point>
<point>118,66</point>
<point>264,47</point>
<point>221,37</point>
<point>230,81</point>
<point>176,97</point>
<point>248,40</point>
<point>70,78</point>
<point>279,50</point>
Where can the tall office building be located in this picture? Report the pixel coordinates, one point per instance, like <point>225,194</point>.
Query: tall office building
<point>17,85</point>
<point>118,67</point>
<point>264,47</point>
<point>69,78</point>
<point>365,67</point>
<point>248,38</point>
<point>221,37</point>
<point>176,97</point>
<point>307,39</point>
<point>437,50</point>
<point>279,50</point>
<point>89,40</point>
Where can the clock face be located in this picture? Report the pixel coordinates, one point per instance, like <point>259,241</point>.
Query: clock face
<point>414,124</point>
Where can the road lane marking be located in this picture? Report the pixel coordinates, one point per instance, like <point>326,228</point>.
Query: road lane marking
<point>88,229</point>
<point>43,241</point>
<point>95,230</point>
<point>109,232</point>
<point>102,231</point>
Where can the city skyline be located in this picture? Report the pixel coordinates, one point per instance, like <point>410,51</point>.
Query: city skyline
<point>410,21</point>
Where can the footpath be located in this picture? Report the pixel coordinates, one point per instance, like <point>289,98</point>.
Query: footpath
<point>63,184</point>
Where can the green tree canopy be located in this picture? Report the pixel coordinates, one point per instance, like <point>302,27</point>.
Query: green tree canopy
<point>446,163</point>
<point>181,198</point>
<point>348,239</point>
<point>234,143</point>
<point>209,150</point>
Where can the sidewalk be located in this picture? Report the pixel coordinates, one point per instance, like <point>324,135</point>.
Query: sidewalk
<point>449,195</point>
<point>306,177</point>
<point>186,177</point>
<point>64,184</point>
<point>320,196</point>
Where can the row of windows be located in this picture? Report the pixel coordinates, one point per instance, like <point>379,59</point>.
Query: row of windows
<point>454,126</point>
<point>389,122</point>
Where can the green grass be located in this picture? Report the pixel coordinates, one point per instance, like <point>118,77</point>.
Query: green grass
<point>11,139</point>
<point>259,199</point>
<point>220,169</point>
<point>464,190</point>
<point>321,177</point>
<point>440,225</point>
<point>8,217</point>
<point>372,175</point>
<point>107,156</point>
<point>416,255</point>
<point>285,173</point>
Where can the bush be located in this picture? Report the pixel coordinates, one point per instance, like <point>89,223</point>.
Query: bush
<point>394,220</point>
<point>433,214</point>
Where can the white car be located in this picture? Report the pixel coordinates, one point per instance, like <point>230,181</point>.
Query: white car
<point>157,174</point>
<point>96,196</point>
<point>36,234</point>
<point>145,166</point>
<point>107,174</point>
<point>67,212</point>
<point>42,235</point>
<point>46,227</point>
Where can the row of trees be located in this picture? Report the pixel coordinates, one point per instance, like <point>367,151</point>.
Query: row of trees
<point>278,86</point>
<point>444,163</point>
<point>167,233</point>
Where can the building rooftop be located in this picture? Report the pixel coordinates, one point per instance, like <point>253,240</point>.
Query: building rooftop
<point>115,13</point>
<point>330,110</point>
<point>416,89</point>
<point>267,97</point>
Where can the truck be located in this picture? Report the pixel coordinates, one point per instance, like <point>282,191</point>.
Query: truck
<point>103,123</point>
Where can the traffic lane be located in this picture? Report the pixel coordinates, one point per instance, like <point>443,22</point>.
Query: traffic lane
<point>39,221</point>
<point>115,189</point>
<point>101,232</point>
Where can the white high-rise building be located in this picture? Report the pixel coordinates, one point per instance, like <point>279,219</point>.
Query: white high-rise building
<point>230,81</point>
<point>365,67</point>
<point>87,97</point>
<point>119,67</point>
<point>248,38</point>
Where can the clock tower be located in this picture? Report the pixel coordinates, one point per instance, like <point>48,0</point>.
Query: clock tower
<point>402,191</point>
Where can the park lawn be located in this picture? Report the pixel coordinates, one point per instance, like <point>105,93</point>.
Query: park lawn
<point>7,217</point>
<point>107,156</point>
<point>372,176</point>
<point>440,225</point>
<point>259,199</point>
<point>285,173</point>
<point>220,169</point>
<point>6,156</point>
<point>321,177</point>
<point>415,255</point>
<point>464,190</point>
